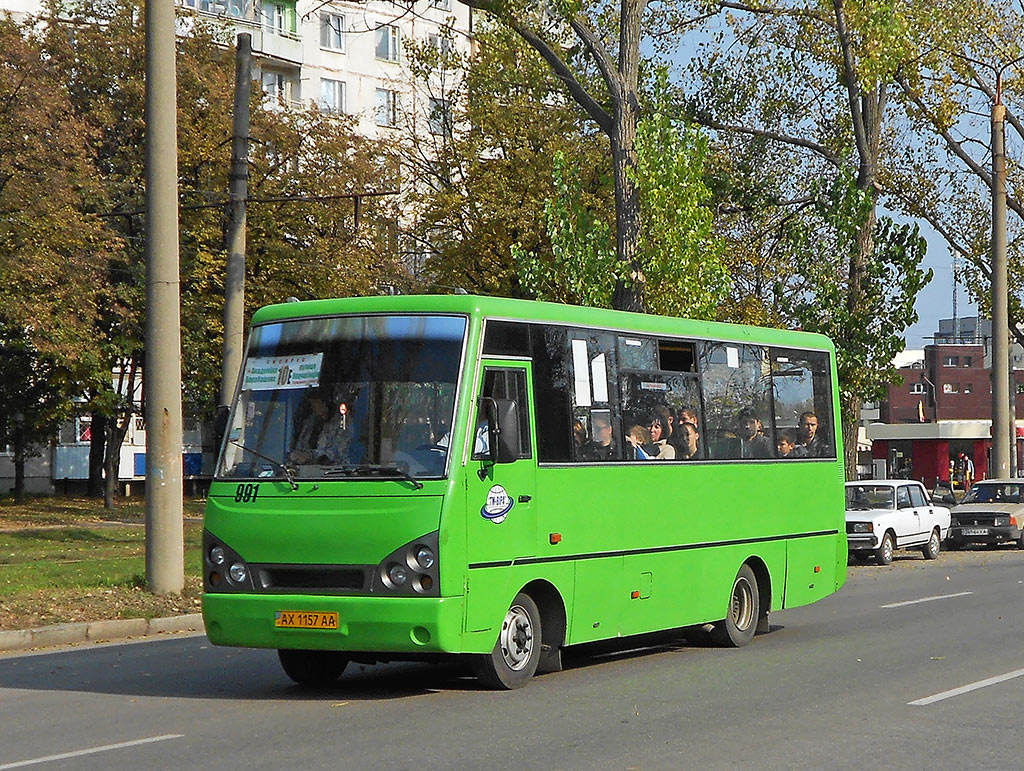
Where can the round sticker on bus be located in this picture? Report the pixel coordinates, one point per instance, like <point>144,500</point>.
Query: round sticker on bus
<point>499,504</point>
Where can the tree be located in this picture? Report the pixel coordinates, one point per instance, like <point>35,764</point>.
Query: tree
<point>612,101</point>
<point>481,186</point>
<point>815,81</point>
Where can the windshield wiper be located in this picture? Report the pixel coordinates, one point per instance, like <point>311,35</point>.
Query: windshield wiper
<point>287,471</point>
<point>365,468</point>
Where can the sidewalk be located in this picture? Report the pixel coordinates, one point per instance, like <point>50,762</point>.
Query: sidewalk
<point>97,631</point>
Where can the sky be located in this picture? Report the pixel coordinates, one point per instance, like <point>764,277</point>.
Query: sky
<point>936,300</point>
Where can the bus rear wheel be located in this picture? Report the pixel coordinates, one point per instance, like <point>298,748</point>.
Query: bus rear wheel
<point>313,669</point>
<point>737,629</point>
<point>516,654</point>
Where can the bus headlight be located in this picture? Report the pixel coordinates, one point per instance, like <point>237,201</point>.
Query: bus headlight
<point>217,556</point>
<point>238,572</point>
<point>425,557</point>
<point>398,574</point>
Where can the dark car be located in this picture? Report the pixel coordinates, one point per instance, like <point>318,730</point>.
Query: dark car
<point>992,512</point>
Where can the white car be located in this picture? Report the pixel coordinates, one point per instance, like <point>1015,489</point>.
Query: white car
<point>883,515</point>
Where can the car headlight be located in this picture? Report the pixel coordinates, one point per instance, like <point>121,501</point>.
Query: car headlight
<point>1002,521</point>
<point>863,527</point>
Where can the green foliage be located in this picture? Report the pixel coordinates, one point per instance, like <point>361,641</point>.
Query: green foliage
<point>868,332</point>
<point>680,256</point>
<point>582,268</point>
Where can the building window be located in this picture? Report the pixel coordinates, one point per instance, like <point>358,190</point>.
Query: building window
<point>274,18</point>
<point>1020,388</point>
<point>917,388</point>
<point>441,43</point>
<point>968,361</point>
<point>440,117</point>
<point>387,107</point>
<point>276,85</point>
<point>387,43</point>
<point>332,31</point>
<point>950,388</point>
<point>950,361</point>
<point>332,96</point>
<point>444,5</point>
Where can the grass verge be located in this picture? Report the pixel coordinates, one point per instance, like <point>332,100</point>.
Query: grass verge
<point>68,559</point>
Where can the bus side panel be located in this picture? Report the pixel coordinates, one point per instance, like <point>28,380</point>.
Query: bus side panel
<point>810,569</point>
<point>598,601</point>
<point>682,588</point>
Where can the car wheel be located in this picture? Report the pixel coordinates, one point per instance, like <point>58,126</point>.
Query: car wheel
<point>516,654</point>
<point>737,629</point>
<point>1020,541</point>
<point>313,669</point>
<point>931,549</point>
<point>884,552</point>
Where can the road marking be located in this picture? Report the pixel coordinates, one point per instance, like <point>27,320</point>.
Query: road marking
<point>90,751</point>
<point>966,688</point>
<point>925,599</point>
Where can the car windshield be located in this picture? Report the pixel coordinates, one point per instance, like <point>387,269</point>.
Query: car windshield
<point>993,492</point>
<point>866,497</point>
<point>346,397</point>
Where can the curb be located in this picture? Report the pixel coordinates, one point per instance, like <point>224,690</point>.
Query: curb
<point>97,631</point>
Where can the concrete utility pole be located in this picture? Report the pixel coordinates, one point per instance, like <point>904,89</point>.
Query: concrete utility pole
<point>165,550</point>
<point>1000,324</point>
<point>234,282</point>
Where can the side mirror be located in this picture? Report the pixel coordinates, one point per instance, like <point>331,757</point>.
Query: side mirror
<point>502,429</point>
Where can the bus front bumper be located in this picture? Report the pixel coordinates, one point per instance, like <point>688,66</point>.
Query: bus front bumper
<point>403,625</point>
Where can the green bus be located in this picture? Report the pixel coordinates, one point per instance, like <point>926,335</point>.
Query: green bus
<point>495,479</point>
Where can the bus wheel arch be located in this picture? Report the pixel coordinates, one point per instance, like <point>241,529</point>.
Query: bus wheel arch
<point>516,653</point>
<point>764,591</point>
<point>741,620</point>
<point>553,623</point>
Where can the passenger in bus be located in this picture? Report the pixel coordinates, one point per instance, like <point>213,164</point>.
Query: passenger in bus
<point>600,445</point>
<point>332,446</point>
<point>813,444</point>
<point>305,444</point>
<point>661,429</point>
<point>788,446</point>
<point>639,439</point>
<point>752,443</point>
<point>688,447</point>
<point>688,415</point>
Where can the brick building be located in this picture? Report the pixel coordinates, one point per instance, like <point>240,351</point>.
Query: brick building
<point>943,408</point>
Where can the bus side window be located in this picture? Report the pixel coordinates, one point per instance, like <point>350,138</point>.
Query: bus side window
<point>504,383</point>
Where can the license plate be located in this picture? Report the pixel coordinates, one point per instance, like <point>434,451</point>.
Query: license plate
<point>305,619</point>
<point>975,531</point>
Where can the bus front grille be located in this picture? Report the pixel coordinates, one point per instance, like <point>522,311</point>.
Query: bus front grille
<point>316,578</point>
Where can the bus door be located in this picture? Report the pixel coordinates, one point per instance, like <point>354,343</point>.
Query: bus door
<point>500,519</point>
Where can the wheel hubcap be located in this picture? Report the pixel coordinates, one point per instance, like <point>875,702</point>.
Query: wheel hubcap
<point>516,638</point>
<point>887,549</point>
<point>742,604</point>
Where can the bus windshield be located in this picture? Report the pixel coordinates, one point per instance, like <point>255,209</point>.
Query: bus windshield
<point>346,397</point>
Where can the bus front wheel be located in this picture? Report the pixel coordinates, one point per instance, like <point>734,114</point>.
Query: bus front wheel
<point>516,654</point>
<point>313,669</point>
<point>737,629</point>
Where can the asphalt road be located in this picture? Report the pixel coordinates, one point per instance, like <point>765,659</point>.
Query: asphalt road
<point>851,681</point>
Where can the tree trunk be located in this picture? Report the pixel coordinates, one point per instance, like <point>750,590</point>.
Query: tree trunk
<point>19,462</point>
<point>629,289</point>
<point>97,446</point>
<point>850,420</point>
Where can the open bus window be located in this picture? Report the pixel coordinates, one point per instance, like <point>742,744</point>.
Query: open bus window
<point>504,383</point>
<point>325,396</point>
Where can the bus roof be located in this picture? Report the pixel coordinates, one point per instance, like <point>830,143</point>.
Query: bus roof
<point>537,311</point>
